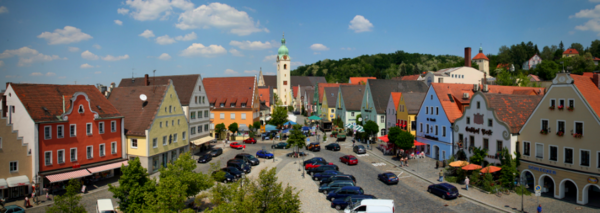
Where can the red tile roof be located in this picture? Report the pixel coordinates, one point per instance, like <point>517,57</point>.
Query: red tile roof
<point>294,91</point>
<point>513,110</point>
<point>357,80</point>
<point>534,77</point>
<point>322,88</point>
<point>571,51</point>
<point>396,98</point>
<point>505,66</point>
<point>589,90</point>
<point>138,114</point>
<point>229,90</point>
<point>480,56</point>
<point>410,77</point>
<point>51,96</point>
<point>588,74</point>
<point>596,59</point>
<point>265,95</point>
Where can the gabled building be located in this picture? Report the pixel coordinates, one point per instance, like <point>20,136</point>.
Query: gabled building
<point>570,53</point>
<point>318,96</point>
<point>330,97</point>
<point>16,163</point>
<point>348,102</point>
<point>532,62</point>
<point>465,74</point>
<point>392,110</point>
<point>408,107</point>
<point>308,100</point>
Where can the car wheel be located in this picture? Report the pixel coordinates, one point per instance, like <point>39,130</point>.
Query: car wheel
<point>325,192</point>
<point>315,178</point>
<point>429,190</point>
<point>444,197</point>
<point>338,207</point>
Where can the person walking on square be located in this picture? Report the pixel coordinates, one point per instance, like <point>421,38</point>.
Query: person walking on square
<point>467,183</point>
<point>539,208</point>
<point>441,175</point>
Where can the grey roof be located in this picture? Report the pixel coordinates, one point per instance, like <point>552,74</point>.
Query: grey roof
<point>184,84</point>
<point>332,95</point>
<point>382,88</point>
<point>309,92</point>
<point>352,95</point>
<point>271,80</point>
<point>413,101</point>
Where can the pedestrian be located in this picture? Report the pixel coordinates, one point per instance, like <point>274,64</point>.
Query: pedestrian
<point>47,193</point>
<point>539,208</point>
<point>244,148</point>
<point>467,183</point>
<point>441,175</point>
<point>353,142</point>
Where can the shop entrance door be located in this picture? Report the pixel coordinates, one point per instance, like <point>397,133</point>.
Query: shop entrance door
<point>165,159</point>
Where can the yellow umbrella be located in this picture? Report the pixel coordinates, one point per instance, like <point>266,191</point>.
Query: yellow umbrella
<point>459,163</point>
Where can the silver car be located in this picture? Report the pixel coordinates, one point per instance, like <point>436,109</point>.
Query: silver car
<point>360,149</point>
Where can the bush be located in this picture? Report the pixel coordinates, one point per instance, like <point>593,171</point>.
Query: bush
<point>451,179</point>
<point>520,189</point>
<point>474,178</point>
<point>219,176</point>
<point>290,109</point>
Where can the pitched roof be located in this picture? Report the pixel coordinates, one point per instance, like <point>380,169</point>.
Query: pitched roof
<point>229,90</point>
<point>396,98</point>
<point>381,89</point>
<point>264,94</point>
<point>294,91</point>
<point>310,93</point>
<point>596,59</point>
<point>322,87</point>
<point>36,97</point>
<point>410,77</point>
<point>352,95</point>
<point>514,110</point>
<point>480,56</point>
<point>138,114</point>
<point>184,84</point>
<point>271,80</point>
<point>571,51</point>
<point>453,108</point>
<point>589,90</point>
<point>534,77</point>
<point>588,74</point>
<point>357,80</point>
<point>413,101</point>
<point>332,96</point>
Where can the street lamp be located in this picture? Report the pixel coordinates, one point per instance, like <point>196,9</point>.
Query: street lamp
<point>523,181</point>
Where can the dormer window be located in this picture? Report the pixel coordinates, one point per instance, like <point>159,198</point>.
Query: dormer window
<point>222,105</point>
<point>232,105</point>
<point>80,110</point>
<point>243,105</point>
<point>212,105</point>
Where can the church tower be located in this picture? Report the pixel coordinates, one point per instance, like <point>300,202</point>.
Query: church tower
<point>482,61</point>
<point>261,79</point>
<point>284,88</point>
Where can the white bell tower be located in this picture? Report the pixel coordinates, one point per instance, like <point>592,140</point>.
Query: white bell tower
<point>284,88</point>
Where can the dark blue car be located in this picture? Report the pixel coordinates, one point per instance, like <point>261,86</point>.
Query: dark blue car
<point>264,154</point>
<point>326,174</point>
<point>344,192</point>
<point>326,188</point>
<point>315,159</point>
<point>340,204</point>
<point>445,190</point>
<point>388,178</point>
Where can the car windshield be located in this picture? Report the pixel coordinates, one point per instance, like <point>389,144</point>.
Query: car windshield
<point>352,158</point>
<point>360,147</point>
<point>251,157</point>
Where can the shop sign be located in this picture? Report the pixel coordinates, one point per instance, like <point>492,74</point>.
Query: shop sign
<point>76,166</point>
<point>535,168</point>
<point>592,180</point>
<point>21,184</point>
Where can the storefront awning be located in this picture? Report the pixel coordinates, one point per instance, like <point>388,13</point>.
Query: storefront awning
<point>107,167</point>
<point>243,128</point>
<point>417,143</point>
<point>384,138</point>
<point>202,140</point>
<point>3,184</point>
<point>22,180</point>
<point>68,175</point>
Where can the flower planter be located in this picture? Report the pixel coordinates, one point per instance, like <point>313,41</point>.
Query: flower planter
<point>570,108</point>
<point>576,135</point>
<point>560,133</point>
<point>561,107</point>
<point>544,132</point>
<point>551,108</point>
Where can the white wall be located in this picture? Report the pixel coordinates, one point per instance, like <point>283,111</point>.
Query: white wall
<point>471,76</point>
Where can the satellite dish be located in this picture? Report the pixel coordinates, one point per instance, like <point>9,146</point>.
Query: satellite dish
<point>143,97</point>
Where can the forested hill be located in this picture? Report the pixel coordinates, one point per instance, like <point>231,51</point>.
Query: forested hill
<point>389,65</point>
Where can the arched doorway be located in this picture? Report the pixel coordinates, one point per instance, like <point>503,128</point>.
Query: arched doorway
<point>529,179</point>
<point>436,152</point>
<point>548,185</point>
<point>568,190</point>
<point>591,192</point>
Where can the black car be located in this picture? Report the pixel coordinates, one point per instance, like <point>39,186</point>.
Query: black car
<point>239,164</point>
<point>233,171</point>
<point>445,190</point>
<point>344,192</point>
<point>322,169</point>
<point>338,177</point>
<point>388,178</point>
<point>216,152</point>
<point>280,145</point>
<point>205,158</point>
<point>315,159</point>
<point>248,158</point>
<point>334,186</point>
<point>340,204</point>
<point>333,147</point>
<point>359,149</point>
<point>228,177</point>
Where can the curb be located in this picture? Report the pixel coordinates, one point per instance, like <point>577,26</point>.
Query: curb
<point>426,180</point>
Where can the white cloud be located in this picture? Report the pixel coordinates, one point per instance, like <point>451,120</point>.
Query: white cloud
<point>3,9</point>
<point>187,37</point>
<point>588,13</point>
<point>98,72</point>
<point>270,58</point>
<point>248,8</point>
<point>164,56</point>
<point>36,74</point>
<point>220,16</point>
<point>113,58</point>
<point>50,74</point>
<point>230,72</point>
<point>251,71</point>
<point>118,22</point>
<point>73,49</point>
<point>153,9</point>
<point>593,25</point>
<point>65,36</point>
<point>89,55</point>
<point>86,66</point>
<point>164,40</point>
<point>360,24</point>
<point>197,49</point>
<point>348,48</point>
<point>97,46</point>
<point>147,34</point>
<point>61,77</point>
<point>252,45</point>
<point>1,63</point>
<point>123,11</point>
<point>318,47</point>
<point>27,56</point>
<point>235,52</point>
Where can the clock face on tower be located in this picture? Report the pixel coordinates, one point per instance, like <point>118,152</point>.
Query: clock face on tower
<point>285,57</point>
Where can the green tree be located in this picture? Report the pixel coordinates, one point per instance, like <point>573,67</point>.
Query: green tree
<point>523,80</point>
<point>219,129</point>
<point>475,178</point>
<point>509,169</point>
<point>548,52</point>
<point>182,170</point>
<point>595,48</point>
<point>216,173</point>
<point>478,156</point>
<point>547,69</point>
<point>170,196</point>
<point>505,79</point>
<point>296,138</point>
<point>279,116</point>
<point>133,185</point>
<point>504,56</point>
<point>371,128</point>
<point>578,47</point>
<point>290,108</point>
<point>402,139</point>
<point>233,128</point>
<point>69,202</point>
<point>358,117</point>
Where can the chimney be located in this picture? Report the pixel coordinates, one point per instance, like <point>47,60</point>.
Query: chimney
<point>467,57</point>
<point>485,78</point>
<point>146,80</point>
<point>596,79</point>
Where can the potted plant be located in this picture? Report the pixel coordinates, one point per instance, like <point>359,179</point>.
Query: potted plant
<point>561,107</point>
<point>570,108</point>
<point>561,133</point>
<point>544,131</point>
<point>577,135</point>
<point>551,107</point>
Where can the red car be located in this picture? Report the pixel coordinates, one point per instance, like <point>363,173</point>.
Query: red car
<point>316,164</point>
<point>236,145</point>
<point>349,159</point>
<point>250,140</point>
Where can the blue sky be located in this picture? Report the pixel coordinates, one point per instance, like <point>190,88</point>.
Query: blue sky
<point>89,42</point>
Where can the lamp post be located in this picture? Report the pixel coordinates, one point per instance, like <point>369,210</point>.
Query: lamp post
<point>523,181</point>
<point>360,121</point>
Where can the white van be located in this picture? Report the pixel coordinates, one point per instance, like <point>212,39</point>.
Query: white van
<point>372,206</point>
<point>104,206</point>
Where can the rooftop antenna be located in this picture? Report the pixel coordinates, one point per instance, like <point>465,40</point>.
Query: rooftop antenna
<point>154,77</point>
<point>132,79</point>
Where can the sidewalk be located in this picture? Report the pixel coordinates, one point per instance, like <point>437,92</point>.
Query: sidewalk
<point>424,169</point>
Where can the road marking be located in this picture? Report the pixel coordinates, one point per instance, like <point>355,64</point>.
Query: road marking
<point>379,164</point>
<point>363,155</point>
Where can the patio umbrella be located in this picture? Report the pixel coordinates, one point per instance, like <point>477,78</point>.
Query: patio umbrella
<point>491,169</point>
<point>417,143</point>
<point>359,128</point>
<point>305,128</point>
<point>384,138</point>
<point>270,127</point>
<point>350,125</point>
<point>471,167</point>
<point>459,163</point>
<point>289,122</point>
<point>314,117</point>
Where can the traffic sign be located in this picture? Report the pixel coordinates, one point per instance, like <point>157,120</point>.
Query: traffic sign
<point>538,188</point>
<point>538,193</point>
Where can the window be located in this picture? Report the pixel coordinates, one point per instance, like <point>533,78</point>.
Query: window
<point>598,158</point>
<point>232,115</point>
<point>178,122</point>
<point>436,129</point>
<point>80,110</point>
<point>427,130</point>
<point>60,155</point>
<point>164,140</point>
<point>561,102</point>
<point>154,142</point>
<point>478,104</point>
<point>102,150</point>
<point>332,111</point>
<point>199,114</point>
<point>443,131</point>
<point>193,115</point>
<point>426,110</point>
<point>90,152</point>
<point>133,143</point>
<point>113,126</point>
<point>232,105</point>
<point>571,103</point>
<point>113,147</point>
<point>47,132</point>
<point>243,116</point>
<point>48,158</point>
<point>101,127</point>
<point>490,122</point>
<point>486,144</point>
<point>166,123</point>
<point>0,142</point>
<point>160,124</point>
<point>222,105</point>
<point>73,154</point>
<point>352,114</point>
<point>499,146</point>
<point>526,148</point>
<point>437,110</point>
<point>206,114</point>
<point>170,139</point>
<point>205,128</point>
<point>569,155</point>
<point>243,105</point>
<point>552,102</point>
<point>471,141</point>
<point>88,128</point>
<point>539,150</point>
<point>560,127</point>
<point>14,166</point>
<point>172,122</point>
<point>183,136</point>
<point>193,131</point>
<point>413,125</point>
<point>73,130</point>
<point>212,115</point>
<point>222,116</point>
<point>60,131</point>
<point>175,137</point>
<point>421,127</point>
<point>468,120</point>
<point>545,125</point>
<point>553,153</point>
<point>584,157</point>
<point>212,105</point>
<point>579,127</point>
<point>199,88</point>
<point>382,119</point>
<point>196,99</point>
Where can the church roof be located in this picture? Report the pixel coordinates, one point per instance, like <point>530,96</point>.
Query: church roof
<point>283,50</point>
<point>480,56</point>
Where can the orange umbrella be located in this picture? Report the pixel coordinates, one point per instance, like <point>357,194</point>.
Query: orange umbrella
<point>490,169</point>
<point>459,163</point>
<point>471,167</point>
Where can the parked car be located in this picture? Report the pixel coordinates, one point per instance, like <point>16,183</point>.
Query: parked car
<point>216,152</point>
<point>240,164</point>
<point>333,147</point>
<point>228,177</point>
<point>248,158</point>
<point>250,140</point>
<point>264,154</point>
<point>316,164</point>
<point>359,149</point>
<point>233,171</point>
<point>388,178</point>
<point>344,192</point>
<point>335,185</point>
<point>349,159</point>
<point>373,205</point>
<point>315,147</point>
<point>338,177</point>
<point>14,209</point>
<point>445,190</point>
<point>102,206</point>
<point>340,204</point>
<point>326,174</point>
<point>322,169</point>
<point>315,159</point>
<point>280,145</point>
<point>205,158</point>
<point>236,145</point>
